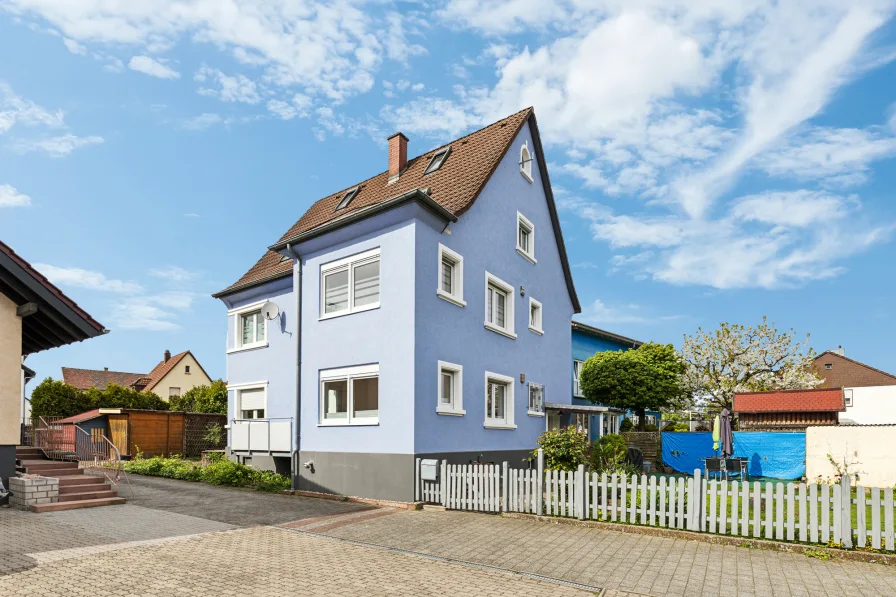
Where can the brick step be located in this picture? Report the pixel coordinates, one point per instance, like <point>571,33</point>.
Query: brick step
<point>83,487</point>
<point>58,506</point>
<point>45,464</point>
<point>82,479</point>
<point>87,495</point>
<point>30,453</point>
<point>57,472</point>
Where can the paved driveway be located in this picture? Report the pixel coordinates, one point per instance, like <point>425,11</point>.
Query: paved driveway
<point>186,537</point>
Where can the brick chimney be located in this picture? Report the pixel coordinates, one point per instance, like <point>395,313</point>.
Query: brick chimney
<point>398,156</point>
<point>105,368</point>
<point>167,355</point>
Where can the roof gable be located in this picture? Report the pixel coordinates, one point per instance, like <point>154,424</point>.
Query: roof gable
<point>453,187</point>
<point>164,368</point>
<point>848,373</point>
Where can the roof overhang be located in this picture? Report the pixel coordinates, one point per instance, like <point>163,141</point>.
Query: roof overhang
<point>593,331</point>
<point>49,318</point>
<point>581,408</point>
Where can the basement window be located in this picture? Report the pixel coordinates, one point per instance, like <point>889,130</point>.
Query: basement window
<point>347,198</point>
<point>437,160</point>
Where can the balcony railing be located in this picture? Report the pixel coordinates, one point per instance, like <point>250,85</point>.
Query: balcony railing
<point>261,435</point>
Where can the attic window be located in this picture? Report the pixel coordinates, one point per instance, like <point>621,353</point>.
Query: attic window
<point>437,160</point>
<point>526,162</point>
<point>347,198</point>
<point>828,365</point>
<point>285,258</point>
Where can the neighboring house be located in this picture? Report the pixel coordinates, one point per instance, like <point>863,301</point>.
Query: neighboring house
<point>173,376</point>
<point>434,302</point>
<point>596,420</point>
<point>788,410</point>
<point>870,393</point>
<point>34,316</point>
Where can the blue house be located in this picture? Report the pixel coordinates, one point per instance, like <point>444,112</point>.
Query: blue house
<point>596,420</point>
<point>421,313</point>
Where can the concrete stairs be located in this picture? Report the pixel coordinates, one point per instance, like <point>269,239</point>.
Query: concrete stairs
<point>76,490</point>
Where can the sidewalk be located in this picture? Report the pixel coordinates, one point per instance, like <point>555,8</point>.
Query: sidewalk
<point>636,563</point>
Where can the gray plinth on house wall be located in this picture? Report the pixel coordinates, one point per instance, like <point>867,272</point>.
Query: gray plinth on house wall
<point>369,475</point>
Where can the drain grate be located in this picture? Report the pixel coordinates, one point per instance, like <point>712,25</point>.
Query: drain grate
<point>530,575</point>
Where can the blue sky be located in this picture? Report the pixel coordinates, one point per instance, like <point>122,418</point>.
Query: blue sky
<point>713,161</point>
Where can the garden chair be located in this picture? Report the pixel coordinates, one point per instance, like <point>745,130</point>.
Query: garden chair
<point>635,457</point>
<point>713,465</point>
<point>736,466</point>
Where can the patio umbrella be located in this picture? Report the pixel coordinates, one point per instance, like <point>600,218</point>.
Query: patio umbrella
<point>725,434</point>
<point>716,430</point>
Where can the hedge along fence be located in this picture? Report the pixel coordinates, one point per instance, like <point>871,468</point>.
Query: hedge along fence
<point>815,513</point>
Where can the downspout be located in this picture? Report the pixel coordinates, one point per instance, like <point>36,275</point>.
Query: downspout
<point>298,419</point>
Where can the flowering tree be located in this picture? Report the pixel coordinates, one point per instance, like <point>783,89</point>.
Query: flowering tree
<point>736,358</point>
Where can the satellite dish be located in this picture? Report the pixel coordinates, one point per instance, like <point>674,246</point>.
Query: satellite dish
<point>270,310</point>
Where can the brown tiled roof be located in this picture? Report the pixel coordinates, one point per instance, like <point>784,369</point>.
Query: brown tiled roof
<point>161,370</point>
<point>91,378</point>
<point>454,186</point>
<point>85,416</point>
<point>814,400</point>
<point>849,373</point>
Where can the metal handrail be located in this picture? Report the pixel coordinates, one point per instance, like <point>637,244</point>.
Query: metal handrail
<point>99,453</point>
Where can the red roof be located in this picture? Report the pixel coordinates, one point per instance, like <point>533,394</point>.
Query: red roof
<point>814,400</point>
<point>90,414</point>
<point>93,378</point>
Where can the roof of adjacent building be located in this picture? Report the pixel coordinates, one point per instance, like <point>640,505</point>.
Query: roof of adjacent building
<point>849,373</point>
<point>85,416</point>
<point>58,320</point>
<point>163,368</point>
<point>809,400</point>
<point>453,188</point>
<point>92,378</point>
<point>593,331</point>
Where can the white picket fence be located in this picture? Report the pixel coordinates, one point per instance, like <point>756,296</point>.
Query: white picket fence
<point>807,513</point>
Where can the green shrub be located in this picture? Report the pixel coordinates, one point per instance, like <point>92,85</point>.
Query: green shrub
<point>219,471</point>
<point>58,399</point>
<point>626,425</point>
<point>609,455</point>
<point>202,399</point>
<point>564,449</point>
<point>650,427</point>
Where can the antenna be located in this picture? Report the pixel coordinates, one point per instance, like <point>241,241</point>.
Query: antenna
<point>270,310</point>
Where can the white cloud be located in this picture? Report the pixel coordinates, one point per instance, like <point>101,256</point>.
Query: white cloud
<point>17,110</point>
<point>398,47</point>
<point>299,107</point>
<point>838,157</point>
<point>82,278</point>
<point>156,313</point>
<point>173,273</point>
<point>503,16</point>
<point>74,47</point>
<point>238,88</point>
<point>191,215</point>
<point>153,68</point>
<point>599,313</point>
<point>10,197</point>
<point>429,116</point>
<point>202,121</point>
<point>56,147</point>
<point>329,49</point>
<point>796,208</point>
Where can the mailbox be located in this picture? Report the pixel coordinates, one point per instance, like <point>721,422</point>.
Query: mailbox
<point>429,470</point>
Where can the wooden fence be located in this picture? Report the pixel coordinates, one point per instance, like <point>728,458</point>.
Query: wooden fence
<point>797,512</point>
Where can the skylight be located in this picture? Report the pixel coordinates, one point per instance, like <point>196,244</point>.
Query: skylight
<point>347,198</point>
<point>437,160</point>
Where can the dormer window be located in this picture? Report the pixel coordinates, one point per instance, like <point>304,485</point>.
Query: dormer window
<point>347,198</point>
<point>526,162</point>
<point>437,160</point>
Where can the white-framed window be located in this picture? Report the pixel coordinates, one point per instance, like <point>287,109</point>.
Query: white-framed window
<point>535,316</point>
<point>350,285</point>
<point>186,369</point>
<point>498,306</point>
<point>172,392</point>
<point>498,401</point>
<point>847,397</point>
<point>525,237</point>
<point>251,400</point>
<point>451,389</point>
<point>438,158</point>
<point>250,327</point>
<point>350,395</point>
<point>536,399</point>
<point>828,366</point>
<point>526,162</point>
<point>577,378</point>
<point>451,276</point>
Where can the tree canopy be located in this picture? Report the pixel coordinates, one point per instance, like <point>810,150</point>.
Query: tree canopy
<point>202,399</point>
<point>58,399</point>
<point>736,358</point>
<point>649,377</point>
